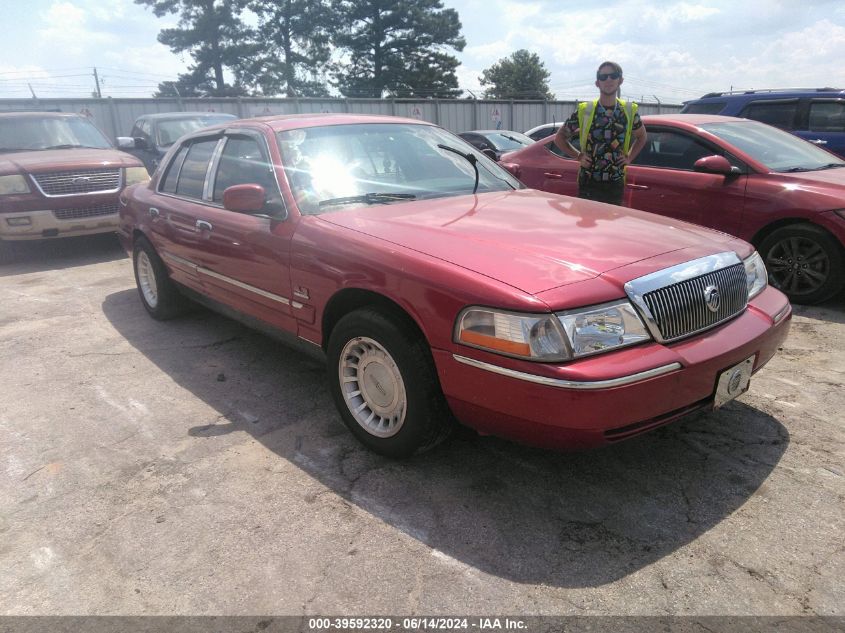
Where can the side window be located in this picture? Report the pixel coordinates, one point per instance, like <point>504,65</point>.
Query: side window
<point>171,177</point>
<point>136,129</point>
<point>827,116</point>
<point>704,108</point>
<point>778,113</point>
<point>554,149</point>
<point>244,161</point>
<point>477,141</point>
<point>672,150</point>
<point>146,128</point>
<point>194,168</point>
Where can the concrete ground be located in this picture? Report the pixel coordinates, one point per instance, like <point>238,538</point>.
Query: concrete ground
<point>197,467</point>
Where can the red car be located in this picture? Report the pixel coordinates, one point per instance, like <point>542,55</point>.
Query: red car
<point>435,285</point>
<point>782,194</point>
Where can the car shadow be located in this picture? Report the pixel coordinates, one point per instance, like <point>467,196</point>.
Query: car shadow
<point>832,310</point>
<point>23,257</point>
<point>523,514</point>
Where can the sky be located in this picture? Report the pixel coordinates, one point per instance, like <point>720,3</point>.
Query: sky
<point>670,51</point>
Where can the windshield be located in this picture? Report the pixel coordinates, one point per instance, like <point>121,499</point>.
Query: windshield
<point>776,149</point>
<point>24,133</point>
<point>509,140</point>
<point>381,163</point>
<point>170,130</point>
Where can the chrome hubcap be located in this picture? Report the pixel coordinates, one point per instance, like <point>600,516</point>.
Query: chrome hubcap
<point>798,265</point>
<point>372,387</point>
<point>147,279</point>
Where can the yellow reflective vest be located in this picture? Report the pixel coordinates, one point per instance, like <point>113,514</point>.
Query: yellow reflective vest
<point>586,114</point>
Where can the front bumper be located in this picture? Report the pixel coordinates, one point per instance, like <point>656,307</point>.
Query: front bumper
<point>605,398</point>
<point>41,224</point>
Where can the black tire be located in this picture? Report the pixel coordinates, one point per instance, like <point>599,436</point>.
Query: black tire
<point>805,262</point>
<point>397,386</point>
<point>160,296</point>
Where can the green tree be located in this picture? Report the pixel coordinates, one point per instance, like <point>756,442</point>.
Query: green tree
<point>213,34</point>
<point>520,76</point>
<point>397,46</point>
<point>295,46</point>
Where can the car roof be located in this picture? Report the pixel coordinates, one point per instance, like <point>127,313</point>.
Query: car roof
<point>38,113</point>
<point>691,119</point>
<point>185,115</point>
<point>770,93</point>
<point>281,122</point>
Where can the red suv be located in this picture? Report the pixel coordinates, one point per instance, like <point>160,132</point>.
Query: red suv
<point>59,176</point>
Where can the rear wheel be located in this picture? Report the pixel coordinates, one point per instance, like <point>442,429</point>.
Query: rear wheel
<point>805,262</point>
<point>158,293</point>
<point>384,384</point>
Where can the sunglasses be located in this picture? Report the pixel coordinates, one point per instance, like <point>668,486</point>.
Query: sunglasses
<point>605,76</point>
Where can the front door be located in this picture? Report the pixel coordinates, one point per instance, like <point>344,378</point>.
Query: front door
<point>663,180</point>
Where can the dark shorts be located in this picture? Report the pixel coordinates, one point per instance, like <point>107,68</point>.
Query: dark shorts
<point>609,192</point>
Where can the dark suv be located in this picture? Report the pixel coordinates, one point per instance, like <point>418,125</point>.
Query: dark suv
<point>816,115</point>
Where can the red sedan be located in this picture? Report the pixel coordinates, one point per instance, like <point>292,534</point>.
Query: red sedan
<point>436,286</point>
<point>782,194</point>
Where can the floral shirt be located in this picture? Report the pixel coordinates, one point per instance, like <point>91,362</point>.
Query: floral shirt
<point>605,143</point>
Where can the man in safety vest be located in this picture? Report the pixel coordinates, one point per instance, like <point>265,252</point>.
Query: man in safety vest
<point>610,135</point>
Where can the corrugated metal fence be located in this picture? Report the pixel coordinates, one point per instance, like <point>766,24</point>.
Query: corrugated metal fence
<point>116,116</point>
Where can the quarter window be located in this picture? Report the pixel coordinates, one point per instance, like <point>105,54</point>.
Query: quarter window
<point>172,176</point>
<point>192,174</point>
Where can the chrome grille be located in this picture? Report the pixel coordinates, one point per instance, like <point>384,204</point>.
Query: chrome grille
<point>69,183</point>
<point>86,212</point>
<point>681,308</point>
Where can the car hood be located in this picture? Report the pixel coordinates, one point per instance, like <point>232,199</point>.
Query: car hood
<point>58,159</point>
<point>531,240</point>
<point>823,177</point>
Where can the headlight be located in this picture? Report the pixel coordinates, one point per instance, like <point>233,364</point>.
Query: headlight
<point>530,336</point>
<point>552,337</point>
<point>756,277</point>
<point>603,327</point>
<point>13,184</point>
<point>134,175</point>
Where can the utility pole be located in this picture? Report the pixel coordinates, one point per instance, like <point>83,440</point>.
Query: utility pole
<point>31,90</point>
<point>97,81</point>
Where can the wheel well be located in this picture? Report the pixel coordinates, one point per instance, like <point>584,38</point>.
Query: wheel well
<point>767,230</point>
<point>351,299</point>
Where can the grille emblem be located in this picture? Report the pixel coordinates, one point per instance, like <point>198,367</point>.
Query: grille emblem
<point>712,299</point>
<point>81,180</point>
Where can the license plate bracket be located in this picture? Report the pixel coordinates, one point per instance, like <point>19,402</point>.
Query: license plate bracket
<point>733,382</point>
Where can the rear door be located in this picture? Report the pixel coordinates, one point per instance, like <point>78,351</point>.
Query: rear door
<point>663,180</point>
<point>825,124</point>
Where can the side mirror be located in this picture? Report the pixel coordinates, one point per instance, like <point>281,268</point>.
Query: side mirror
<point>715,165</point>
<point>125,142</point>
<point>489,153</point>
<point>244,198</point>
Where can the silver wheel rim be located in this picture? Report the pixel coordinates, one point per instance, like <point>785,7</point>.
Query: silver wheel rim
<point>147,279</point>
<point>372,387</point>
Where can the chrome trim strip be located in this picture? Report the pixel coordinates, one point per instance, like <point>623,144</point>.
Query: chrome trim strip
<point>783,312</point>
<point>243,286</point>
<point>199,269</point>
<point>180,260</point>
<point>569,384</point>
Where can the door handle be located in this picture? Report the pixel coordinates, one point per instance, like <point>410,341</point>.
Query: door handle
<point>632,186</point>
<point>553,175</point>
<point>203,225</point>
<point>154,213</point>
<point>818,141</point>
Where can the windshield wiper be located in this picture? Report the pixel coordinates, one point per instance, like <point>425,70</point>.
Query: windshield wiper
<point>514,139</point>
<point>793,170</point>
<point>832,166</point>
<point>470,158</point>
<point>369,198</point>
<point>15,149</point>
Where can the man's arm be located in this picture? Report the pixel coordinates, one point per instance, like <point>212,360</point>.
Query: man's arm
<point>640,138</point>
<point>562,137</point>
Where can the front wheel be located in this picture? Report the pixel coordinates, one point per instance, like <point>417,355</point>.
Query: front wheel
<point>384,385</point>
<point>805,262</point>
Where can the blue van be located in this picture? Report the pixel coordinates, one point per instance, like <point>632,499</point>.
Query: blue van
<point>816,115</point>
